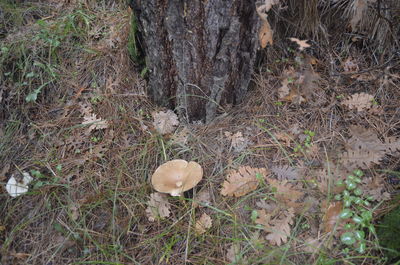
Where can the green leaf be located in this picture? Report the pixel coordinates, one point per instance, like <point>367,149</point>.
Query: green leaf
<point>347,202</point>
<point>348,226</point>
<point>357,219</point>
<point>361,248</point>
<point>254,215</point>
<point>358,173</point>
<point>359,234</point>
<point>358,191</point>
<point>350,185</point>
<point>339,183</point>
<point>367,215</point>
<point>348,238</point>
<point>338,197</point>
<point>346,213</point>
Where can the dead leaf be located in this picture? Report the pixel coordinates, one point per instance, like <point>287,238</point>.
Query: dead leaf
<point>331,217</point>
<point>181,137</point>
<point>158,207</point>
<point>359,7</point>
<point>350,66</point>
<point>302,43</point>
<point>285,172</point>
<point>286,193</point>
<point>265,34</point>
<point>359,101</point>
<point>238,141</point>
<point>165,121</point>
<point>203,224</point>
<point>233,253</point>
<point>201,198</point>
<point>363,148</point>
<point>94,122</point>
<point>353,159</point>
<point>278,227</point>
<point>242,181</point>
<point>375,187</point>
<point>74,209</point>
<point>281,136</point>
<point>392,144</point>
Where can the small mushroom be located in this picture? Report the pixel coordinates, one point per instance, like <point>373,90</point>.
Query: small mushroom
<point>176,176</point>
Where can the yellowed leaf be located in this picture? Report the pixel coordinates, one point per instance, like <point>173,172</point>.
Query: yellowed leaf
<point>242,181</point>
<point>302,43</point>
<point>203,224</point>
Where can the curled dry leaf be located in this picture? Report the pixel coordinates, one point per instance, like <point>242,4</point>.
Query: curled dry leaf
<point>165,121</point>
<point>302,43</point>
<point>203,224</point>
<point>242,181</point>
<point>278,226</point>
<point>158,207</point>
<point>265,34</point>
<point>359,102</point>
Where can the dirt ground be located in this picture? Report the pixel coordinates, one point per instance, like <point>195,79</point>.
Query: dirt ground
<point>74,115</point>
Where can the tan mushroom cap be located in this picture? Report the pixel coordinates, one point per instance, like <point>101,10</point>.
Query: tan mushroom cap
<point>176,176</point>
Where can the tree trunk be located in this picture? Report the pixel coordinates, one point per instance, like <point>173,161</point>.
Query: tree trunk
<point>199,53</point>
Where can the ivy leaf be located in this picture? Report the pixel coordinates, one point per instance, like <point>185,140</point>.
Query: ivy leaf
<point>348,238</point>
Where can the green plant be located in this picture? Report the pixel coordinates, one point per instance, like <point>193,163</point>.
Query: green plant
<point>307,142</point>
<point>355,207</point>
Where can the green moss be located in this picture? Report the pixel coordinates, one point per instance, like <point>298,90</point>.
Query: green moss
<point>388,233</point>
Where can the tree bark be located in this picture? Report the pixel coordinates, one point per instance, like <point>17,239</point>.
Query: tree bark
<point>199,53</point>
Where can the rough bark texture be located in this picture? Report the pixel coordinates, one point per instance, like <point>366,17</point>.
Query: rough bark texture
<point>200,53</point>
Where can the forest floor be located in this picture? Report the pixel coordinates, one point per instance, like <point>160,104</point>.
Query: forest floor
<point>74,115</point>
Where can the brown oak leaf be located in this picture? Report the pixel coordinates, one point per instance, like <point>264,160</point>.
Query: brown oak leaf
<point>242,181</point>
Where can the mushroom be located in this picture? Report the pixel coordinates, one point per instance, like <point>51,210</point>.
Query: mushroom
<point>176,176</point>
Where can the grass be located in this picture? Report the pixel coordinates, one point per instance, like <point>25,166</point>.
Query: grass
<point>87,204</point>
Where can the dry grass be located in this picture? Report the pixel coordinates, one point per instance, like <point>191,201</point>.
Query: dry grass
<point>88,201</point>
